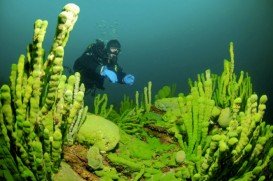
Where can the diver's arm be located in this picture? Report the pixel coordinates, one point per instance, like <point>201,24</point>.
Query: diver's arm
<point>120,74</point>
<point>94,66</point>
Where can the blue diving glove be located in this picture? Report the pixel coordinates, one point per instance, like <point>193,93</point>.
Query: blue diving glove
<point>129,79</point>
<point>111,75</point>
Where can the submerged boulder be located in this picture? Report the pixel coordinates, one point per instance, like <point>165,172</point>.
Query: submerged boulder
<point>225,117</point>
<point>99,132</point>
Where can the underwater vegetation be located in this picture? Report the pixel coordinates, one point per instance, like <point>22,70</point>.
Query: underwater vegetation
<point>41,109</point>
<point>215,132</point>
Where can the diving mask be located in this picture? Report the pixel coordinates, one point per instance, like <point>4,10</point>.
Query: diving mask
<point>114,50</point>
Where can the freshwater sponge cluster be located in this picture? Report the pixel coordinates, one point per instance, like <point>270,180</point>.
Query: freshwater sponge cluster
<point>216,132</point>
<point>40,109</point>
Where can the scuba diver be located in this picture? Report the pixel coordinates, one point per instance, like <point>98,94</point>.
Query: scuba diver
<point>99,62</point>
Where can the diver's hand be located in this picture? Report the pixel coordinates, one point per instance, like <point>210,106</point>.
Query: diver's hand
<point>129,79</point>
<point>111,75</point>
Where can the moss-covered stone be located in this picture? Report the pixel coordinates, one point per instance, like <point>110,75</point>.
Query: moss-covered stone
<point>99,132</point>
<point>225,117</point>
<point>167,104</point>
<point>94,158</point>
<point>180,156</point>
<point>66,173</point>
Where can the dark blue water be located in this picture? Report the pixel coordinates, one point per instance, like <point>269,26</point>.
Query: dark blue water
<point>163,41</point>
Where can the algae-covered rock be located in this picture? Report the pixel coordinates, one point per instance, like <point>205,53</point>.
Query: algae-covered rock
<point>163,177</point>
<point>66,173</point>
<point>166,104</point>
<point>180,156</point>
<point>94,158</point>
<point>99,132</point>
<point>225,117</point>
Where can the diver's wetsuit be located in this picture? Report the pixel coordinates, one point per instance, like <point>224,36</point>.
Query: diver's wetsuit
<point>90,63</point>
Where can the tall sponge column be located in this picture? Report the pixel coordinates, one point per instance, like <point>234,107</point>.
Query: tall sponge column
<point>54,62</point>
